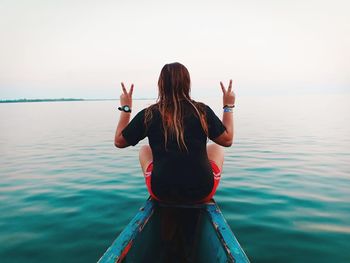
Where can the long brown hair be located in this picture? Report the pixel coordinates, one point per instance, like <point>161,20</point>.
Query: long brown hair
<point>174,86</point>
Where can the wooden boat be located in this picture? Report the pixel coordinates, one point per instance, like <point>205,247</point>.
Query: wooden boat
<point>176,233</point>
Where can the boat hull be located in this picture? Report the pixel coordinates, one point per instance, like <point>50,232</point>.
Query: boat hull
<point>176,233</point>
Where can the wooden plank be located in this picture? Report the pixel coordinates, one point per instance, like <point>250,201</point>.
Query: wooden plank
<point>120,247</point>
<point>228,239</point>
<point>209,247</point>
<point>216,224</point>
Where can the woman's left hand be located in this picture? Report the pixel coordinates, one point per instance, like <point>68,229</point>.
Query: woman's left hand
<point>126,97</point>
<point>228,96</point>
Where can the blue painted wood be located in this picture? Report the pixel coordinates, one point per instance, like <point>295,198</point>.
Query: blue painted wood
<point>215,240</point>
<point>226,235</point>
<point>114,252</point>
<point>209,247</point>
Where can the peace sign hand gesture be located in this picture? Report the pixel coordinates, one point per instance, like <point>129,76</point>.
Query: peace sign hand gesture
<point>126,97</point>
<point>229,96</point>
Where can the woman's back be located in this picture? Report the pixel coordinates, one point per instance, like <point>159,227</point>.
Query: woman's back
<point>177,164</point>
<point>178,174</point>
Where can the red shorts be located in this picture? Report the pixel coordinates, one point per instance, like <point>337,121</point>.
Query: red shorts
<point>216,174</point>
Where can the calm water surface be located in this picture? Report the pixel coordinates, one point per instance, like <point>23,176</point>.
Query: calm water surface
<point>66,192</point>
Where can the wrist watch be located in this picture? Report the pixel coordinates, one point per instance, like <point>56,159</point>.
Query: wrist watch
<point>125,108</point>
<point>229,106</point>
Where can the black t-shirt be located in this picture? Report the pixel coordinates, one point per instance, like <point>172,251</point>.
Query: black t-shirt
<point>178,175</point>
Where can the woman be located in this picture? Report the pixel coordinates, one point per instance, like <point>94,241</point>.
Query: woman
<point>178,166</point>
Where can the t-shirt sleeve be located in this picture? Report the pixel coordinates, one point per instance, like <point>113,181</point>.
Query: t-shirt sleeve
<point>215,125</point>
<point>135,131</point>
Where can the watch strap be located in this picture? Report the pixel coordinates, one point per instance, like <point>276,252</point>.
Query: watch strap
<point>125,108</point>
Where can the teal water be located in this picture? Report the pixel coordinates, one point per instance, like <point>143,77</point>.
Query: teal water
<point>66,192</point>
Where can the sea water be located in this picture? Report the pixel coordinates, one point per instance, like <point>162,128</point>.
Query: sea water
<point>66,192</point>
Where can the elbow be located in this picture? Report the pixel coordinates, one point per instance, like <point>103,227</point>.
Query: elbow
<point>119,143</point>
<point>224,143</point>
<point>228,143</point>
<point>225,140</point>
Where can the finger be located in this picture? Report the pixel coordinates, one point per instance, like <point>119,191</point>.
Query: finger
<point>124,89</point>
<point>131,89</point>
<point>230,86</point>
<point>222,87</point>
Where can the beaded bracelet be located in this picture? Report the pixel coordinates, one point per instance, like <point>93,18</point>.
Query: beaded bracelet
<point>228,109</point>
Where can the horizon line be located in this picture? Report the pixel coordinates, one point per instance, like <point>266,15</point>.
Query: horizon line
<point>62,99</point>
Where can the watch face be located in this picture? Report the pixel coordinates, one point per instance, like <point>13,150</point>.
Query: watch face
<point>126,108</point>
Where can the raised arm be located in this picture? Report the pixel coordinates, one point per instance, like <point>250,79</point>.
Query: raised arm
<point>125,99</point>
<point>228,99</point>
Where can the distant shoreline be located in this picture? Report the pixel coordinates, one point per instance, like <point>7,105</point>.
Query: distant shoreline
<point>57,100</point>
<point>39,100</point>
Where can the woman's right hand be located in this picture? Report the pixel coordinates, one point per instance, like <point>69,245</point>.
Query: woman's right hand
<point>126,97</point>
<point>228,97</point>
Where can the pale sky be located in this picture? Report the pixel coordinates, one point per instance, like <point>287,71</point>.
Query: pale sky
<point>84,49</point>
